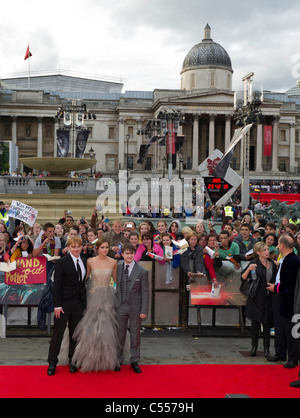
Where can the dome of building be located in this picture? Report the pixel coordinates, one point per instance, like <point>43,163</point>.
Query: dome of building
<point>207,54</point>
<point>207,66</point>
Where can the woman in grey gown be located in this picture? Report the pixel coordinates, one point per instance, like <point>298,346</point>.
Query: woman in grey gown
<point>96,334</point>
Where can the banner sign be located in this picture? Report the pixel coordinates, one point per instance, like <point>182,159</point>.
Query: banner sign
<point>23,212</point>
<point>228,293</point>
<point>63,142</point>
<point>268,141</point>
<point>81,141</point>
<point>32,271</point>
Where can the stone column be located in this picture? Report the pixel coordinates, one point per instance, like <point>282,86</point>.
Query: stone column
<point>227,131</point>
<point>275,144</point>
<point>292,147</point>
<point>14,130</point>
<point>212,146</point>
<point>40,138</point>
<point>121,144</point>
<point>196,143</point>
<point>259,149</point>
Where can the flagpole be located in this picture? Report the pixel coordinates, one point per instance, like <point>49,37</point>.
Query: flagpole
<point>29,67</point>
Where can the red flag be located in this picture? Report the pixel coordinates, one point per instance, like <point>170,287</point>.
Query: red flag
<point>28,54</point>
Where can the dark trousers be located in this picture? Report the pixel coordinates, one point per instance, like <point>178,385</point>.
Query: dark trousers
<point>255,328</point>
<point>285,344</point>
<point>70,319</point>
<point>124,315</point>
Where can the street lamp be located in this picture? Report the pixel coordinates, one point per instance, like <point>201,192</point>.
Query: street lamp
<point>92,157</point>
<point>164,160</point>
<point>247,111</point>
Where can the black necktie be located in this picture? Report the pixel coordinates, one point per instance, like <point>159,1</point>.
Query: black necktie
<point>127,278</point>
<point>79,271</point>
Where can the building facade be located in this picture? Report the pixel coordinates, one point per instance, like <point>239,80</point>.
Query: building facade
<point>28,118</point>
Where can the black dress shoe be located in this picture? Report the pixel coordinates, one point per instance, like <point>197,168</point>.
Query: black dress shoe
<point>51,370</point>
<point>136,368</point>
<point>290,365</point>
<point>295,384</point>
<point>267,353</point>
<point>117,368</point>
<point>72,368</point>
<point>276,358</point>
<point>253,352</point>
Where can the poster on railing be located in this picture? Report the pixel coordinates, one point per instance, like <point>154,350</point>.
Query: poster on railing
<point>20,294</point>
<point>31,271</point>
<point>23,212</point>
<point>225,293</point>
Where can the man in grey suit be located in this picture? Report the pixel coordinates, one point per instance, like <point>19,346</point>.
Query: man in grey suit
<point>132,304</point>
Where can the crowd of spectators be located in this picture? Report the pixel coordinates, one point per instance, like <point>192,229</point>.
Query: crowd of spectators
<point>218,251</point>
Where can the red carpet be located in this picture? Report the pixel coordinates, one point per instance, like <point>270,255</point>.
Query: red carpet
<point>167,381</point>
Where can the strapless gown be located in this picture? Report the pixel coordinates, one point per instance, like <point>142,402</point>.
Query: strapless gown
<point>96,334</point>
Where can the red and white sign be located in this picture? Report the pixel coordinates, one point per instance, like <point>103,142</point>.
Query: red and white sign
<point>268,141</point>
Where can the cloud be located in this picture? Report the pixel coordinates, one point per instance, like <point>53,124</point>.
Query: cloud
<point>147,41</point>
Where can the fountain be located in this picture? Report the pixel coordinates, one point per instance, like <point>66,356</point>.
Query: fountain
<point>59,168</point>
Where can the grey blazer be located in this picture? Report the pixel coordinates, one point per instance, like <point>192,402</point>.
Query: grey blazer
<point>138,291</point>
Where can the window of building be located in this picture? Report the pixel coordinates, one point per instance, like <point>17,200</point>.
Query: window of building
<point>193,82</point>
<point>212,79</point>
<point>283,136</point>
<point>111,132</point>
<point>130,132</point>
<point>111,163</point>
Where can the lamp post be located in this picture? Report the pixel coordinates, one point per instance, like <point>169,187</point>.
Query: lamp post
<point>164,166</point>
<point>92,157</point>
<point>247,111</point>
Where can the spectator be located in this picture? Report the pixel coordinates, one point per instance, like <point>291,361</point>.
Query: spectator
<point>192,260</point>
<point>246,242</point>
<point>23,248</point>
<point>148,246</point>
<point>47,243</point>
<point>115,238</point>
<point>259,307</point>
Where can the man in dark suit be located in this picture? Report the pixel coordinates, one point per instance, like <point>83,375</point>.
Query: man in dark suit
<point>284,290</point>
<point>132,304</point>
<point>69,300</point>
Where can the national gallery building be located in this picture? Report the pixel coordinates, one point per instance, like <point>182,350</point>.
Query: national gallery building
<point>116,119</point>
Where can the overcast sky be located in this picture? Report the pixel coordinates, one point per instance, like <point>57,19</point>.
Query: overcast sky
<point>145,42</point>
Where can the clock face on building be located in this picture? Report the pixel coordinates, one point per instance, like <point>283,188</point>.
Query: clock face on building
<point>216,188</point>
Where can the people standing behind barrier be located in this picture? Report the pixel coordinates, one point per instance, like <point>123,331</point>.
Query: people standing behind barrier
<point>229,254</point>
<point>284,296</point>
<point>259,308</point>
<point>271,240</point>
<point>148,246</point>
<point>284,222</point>
<point>172,258</point>
<point>22,248</point>
<point>47,243</point>
<point>210,260</point>
<point>192,260</point>
<point>248,221</point>
<point>175,230</point>
<point>34,231</point>
<point>186,230</point>
<point>143,228</point>
<point>4,252</point>
<point>115,238</point>
<point>134,239</point>
<point>246,242</point>
<point>161,228</point>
